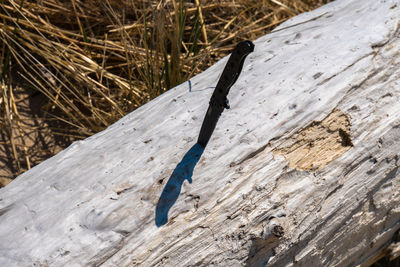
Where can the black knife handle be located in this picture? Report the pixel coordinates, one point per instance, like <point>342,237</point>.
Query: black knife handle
<point>219,99</point>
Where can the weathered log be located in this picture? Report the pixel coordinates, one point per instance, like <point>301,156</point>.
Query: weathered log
<point>302,170</point>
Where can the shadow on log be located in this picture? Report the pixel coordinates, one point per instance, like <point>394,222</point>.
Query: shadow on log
<point>182,172</point>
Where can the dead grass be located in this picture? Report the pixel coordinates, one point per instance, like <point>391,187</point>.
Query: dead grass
<point>71,68</point>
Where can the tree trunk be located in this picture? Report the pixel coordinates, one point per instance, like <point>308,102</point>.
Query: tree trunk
<point>303,169</point>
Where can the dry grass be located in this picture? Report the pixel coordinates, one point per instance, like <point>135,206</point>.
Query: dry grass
<point>71,68</point>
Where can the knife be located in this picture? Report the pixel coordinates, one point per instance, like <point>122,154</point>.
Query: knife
<point>219,100</point>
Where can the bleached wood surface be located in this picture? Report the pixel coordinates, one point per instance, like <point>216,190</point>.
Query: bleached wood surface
<point>311,143</point>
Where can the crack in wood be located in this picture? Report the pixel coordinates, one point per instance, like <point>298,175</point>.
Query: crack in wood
<point>343,70</point>
<point>250,155</point>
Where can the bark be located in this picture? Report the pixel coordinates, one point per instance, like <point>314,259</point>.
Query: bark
<point>303,170</point>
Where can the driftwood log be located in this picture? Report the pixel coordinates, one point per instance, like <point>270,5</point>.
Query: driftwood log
<point>303,170</point>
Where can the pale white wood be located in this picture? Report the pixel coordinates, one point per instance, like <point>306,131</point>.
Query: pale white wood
<point>309,151</point>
